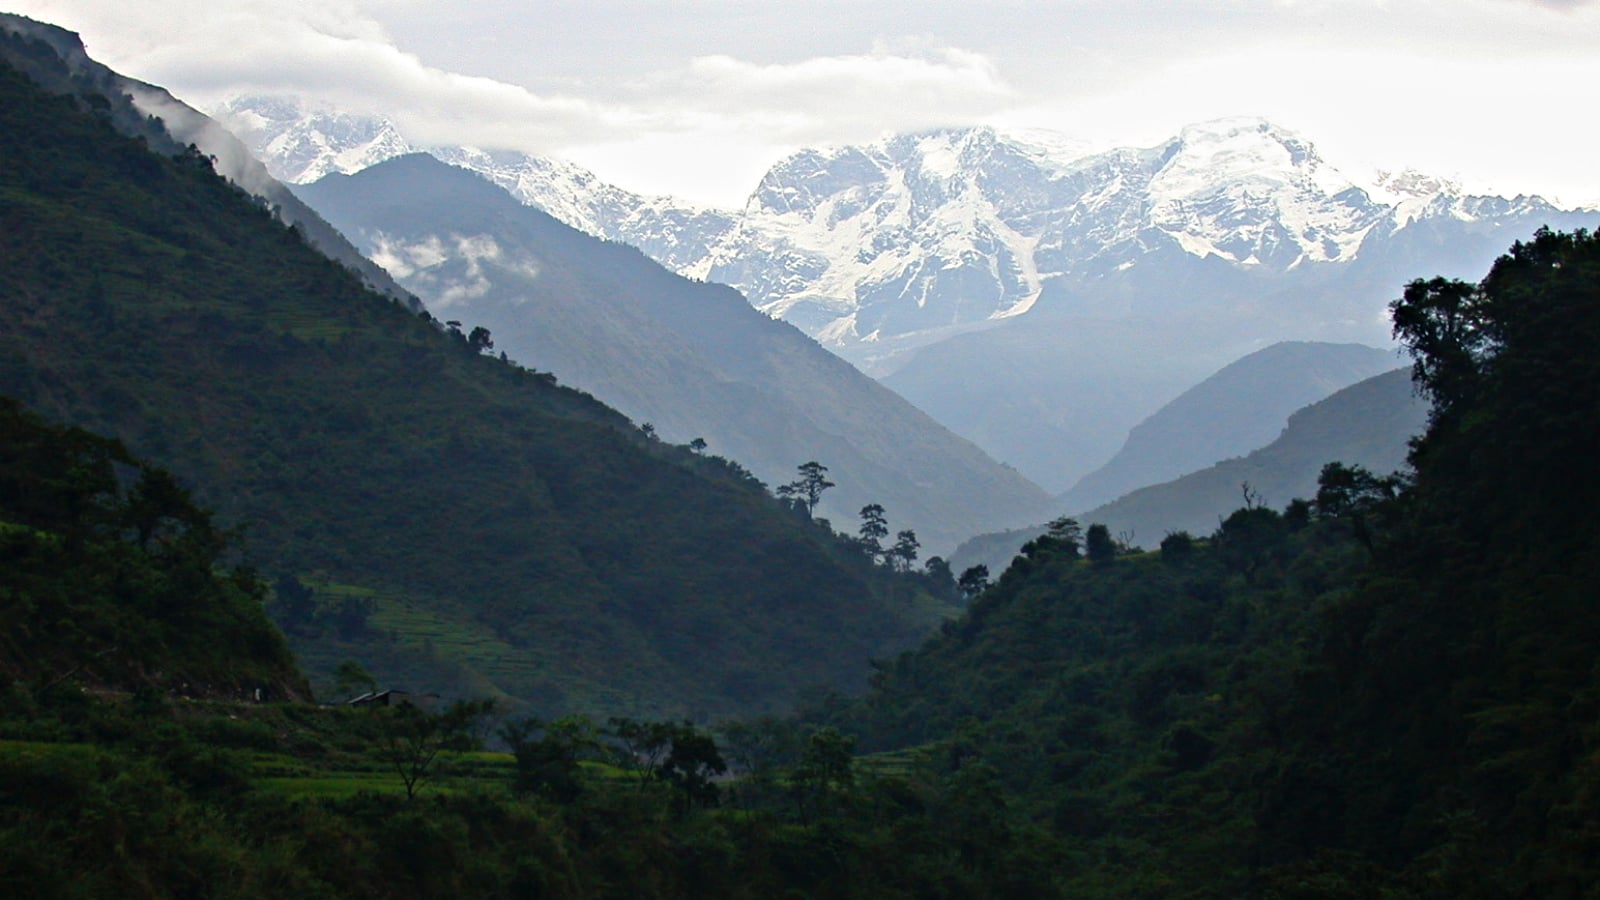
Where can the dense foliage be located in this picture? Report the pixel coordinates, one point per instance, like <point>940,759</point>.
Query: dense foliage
<point>515,538</point>
<point>1390,690</point>
<point>111,576</point>
<point>152,798</point>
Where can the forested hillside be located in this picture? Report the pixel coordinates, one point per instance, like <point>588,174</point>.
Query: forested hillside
<point>114,578</point>
<point>1369,424</point>
<point>1388,690</point>
<point>465,524</point>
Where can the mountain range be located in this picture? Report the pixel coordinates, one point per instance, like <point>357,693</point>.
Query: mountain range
<point>1037,299</point>
<point>693,360</point>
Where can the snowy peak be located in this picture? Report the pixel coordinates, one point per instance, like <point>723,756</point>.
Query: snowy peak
<point>300,146</point>
<point>1237,148</point>
<point>877,233</point>
<point>803,181</point>
<point>1409,184</point>
<point>949,229</point>
<point>1252,193</point>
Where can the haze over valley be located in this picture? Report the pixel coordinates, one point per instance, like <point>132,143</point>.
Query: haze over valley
<point>1042,464</point>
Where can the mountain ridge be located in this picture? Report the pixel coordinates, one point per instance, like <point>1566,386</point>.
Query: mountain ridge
<point>1366,424</point>
<point>846,241</point>
<point>465,524</point>
<point>1238,409</point>
<point>692,359</point>
<point>150,113</point>
<point>1041,301</point>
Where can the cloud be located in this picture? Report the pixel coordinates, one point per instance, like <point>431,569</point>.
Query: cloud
<point>659,99</point>
<point>337,53</point>
<point>423,262</point>
<point>1561,5</point>
<point>331,51</point>
<point>832,97</point>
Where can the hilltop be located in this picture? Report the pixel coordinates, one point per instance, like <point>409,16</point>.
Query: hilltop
<point>464,522</point>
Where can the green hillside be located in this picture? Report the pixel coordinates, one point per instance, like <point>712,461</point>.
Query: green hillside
<point>370,453</point>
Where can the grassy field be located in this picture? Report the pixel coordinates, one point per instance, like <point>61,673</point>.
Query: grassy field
<point>450,773</point>
<point>416,644</point>
<point>893,763</point>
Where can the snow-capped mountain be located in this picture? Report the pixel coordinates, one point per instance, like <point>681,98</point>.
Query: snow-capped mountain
<point>956,227</point>
<point>300,145</point>
<point>865,244</point>
<point>1037,298</point>
<point>959,227</point>
<point>693,359</point>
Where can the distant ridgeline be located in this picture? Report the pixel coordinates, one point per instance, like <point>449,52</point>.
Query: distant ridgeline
<point>1389,689</point>
<point>463,524</point>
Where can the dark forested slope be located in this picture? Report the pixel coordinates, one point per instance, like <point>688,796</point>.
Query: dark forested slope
<point>537,544</point>
<point>112,576</point>
<point>1387,691</point>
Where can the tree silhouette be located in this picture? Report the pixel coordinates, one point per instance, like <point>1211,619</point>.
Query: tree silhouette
<point>807,489</point>
<point>904,551</point>
<point>973,581</point>
<point>1098,545</point>
<point>874,528</point>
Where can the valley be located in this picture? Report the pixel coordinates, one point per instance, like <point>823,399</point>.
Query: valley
<point>973,513</point>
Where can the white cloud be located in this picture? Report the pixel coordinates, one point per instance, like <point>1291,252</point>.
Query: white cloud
<point>330,51</point>
<point>826,98</point>
<point>403,259</point>
<point>699,102</point>
<point>1502,125</point>
<point>337,53</point>
<point>420,259</point>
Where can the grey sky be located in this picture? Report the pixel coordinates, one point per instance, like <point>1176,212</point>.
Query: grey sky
<point>698,97</point>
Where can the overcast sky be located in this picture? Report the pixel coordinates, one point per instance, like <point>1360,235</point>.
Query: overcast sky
<point>698,97</point>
